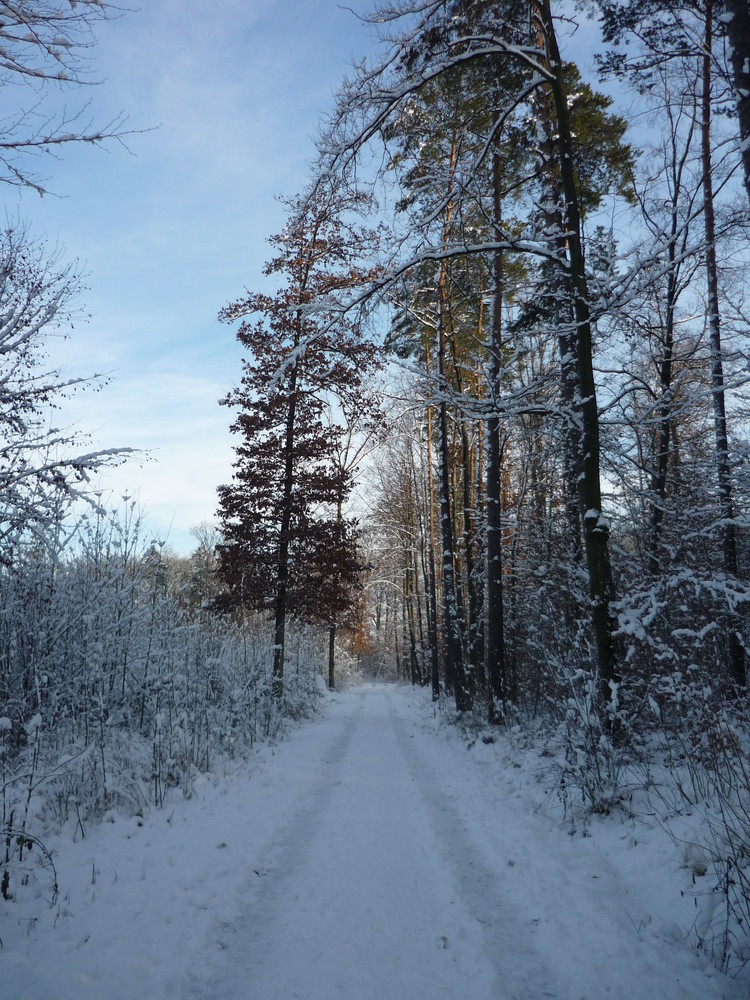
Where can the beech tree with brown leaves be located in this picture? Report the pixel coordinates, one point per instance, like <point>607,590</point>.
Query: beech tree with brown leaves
<point>287,547</point>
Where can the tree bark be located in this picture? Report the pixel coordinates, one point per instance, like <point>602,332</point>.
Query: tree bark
<point>665,412</point>
<point>282,573</point>
<point>432,619</point>
<point>495,623</point>
<point>738,33</point>
<point>737,667</point>
<point>454,664</point>
<point>595,528</point>
<point>475,649</point>
<point>332,658</point>
<point>658,483</point>
<point>559,290</point>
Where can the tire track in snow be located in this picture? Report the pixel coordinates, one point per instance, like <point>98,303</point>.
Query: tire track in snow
<point>357,900</point>
<point>521,971</point>
<point>248,923</point>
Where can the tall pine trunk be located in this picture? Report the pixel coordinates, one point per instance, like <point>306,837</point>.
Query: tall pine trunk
<point>726,503</point>
<point>595,528</point>
<point>432,629</point>
<point>475,647</point>
<point>494,614</point>
<point>454,665</point>
<point>560,292</point>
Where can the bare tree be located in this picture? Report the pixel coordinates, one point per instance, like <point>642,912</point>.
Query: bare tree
<point>44,48</point>
<point>43,469</point>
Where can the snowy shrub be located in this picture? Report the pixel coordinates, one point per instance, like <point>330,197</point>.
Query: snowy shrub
<point>722,927</point>
<point>713,767</point>
<point>729,827</point>
<point>116,690</point>
<point>348,667</point>
<point>25,858</point>
<point>679,623</point>
<point>704,803</point>
<point>590,779</point>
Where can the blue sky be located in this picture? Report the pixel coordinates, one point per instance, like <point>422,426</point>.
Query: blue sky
<point>170,231</point>
<point>172,228</point>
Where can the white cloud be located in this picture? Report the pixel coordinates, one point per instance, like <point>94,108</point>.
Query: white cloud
<point>170,234</point>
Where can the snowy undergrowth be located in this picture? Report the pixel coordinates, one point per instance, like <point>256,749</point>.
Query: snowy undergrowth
<point>703,787</point>
<point>118,686</point>
<point>138,894</point>
<point>58,784</point>
<point>671,809</point>
<point>141,897</point>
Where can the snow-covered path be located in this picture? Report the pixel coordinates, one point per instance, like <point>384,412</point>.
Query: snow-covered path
<point>393,880</point>
<point>371,890</point>
<point>367,856</point>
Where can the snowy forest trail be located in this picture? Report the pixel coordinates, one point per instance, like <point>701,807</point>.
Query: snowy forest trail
<point>370,855</point>
<point>391,880</point>
<point>372,890</point>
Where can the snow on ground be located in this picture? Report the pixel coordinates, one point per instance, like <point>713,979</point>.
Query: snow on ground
<point>370,856</point>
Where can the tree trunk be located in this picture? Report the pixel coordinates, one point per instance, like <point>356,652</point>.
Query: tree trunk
<point>664,424</point>
<point>432,623</point>
<point>726,504</point>
<point>409,588</point>
<point>676,237</point>
<point>332,628</point>
<point>432,629</point>
<point>595,528</point>
<point>738,33</point>
<point>332,658</point>
<point>282,572</point>
<point>495,625</point>
<point>475,650</point>
<point>454,665</point>
<point>560,292</point>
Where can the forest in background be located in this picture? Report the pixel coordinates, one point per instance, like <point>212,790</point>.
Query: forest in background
<point>492,437</point>
<point>554,485</point>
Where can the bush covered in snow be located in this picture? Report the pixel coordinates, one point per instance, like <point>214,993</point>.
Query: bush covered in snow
<point>117,684</point>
